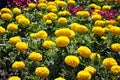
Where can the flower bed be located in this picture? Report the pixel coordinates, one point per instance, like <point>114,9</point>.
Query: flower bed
<point>61,40</point>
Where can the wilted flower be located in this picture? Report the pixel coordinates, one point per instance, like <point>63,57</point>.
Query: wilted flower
<point>42,72</point>
<point>72,60</point>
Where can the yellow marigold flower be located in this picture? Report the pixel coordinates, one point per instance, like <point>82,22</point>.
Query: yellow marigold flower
<point>21,46</point>
<point>96,17</point>
<point>48,44</point>
<point>18,65</point>
<point>98,31</point>
<point>71,2</point>
<point>51,7</point>
<point>33,35</point>
<point>106,7</point>
<point>115,70</point>
<point>92,5</point>
<point>97,7</point>
<point>14,78</point>
<point>60,78</point>
<point>106,29</point>
<point>6,10</point>
<point>24,22</point>
<point>48,22</point>
<point>51,3</point>
<point>41,1</point>
<point>42,72</point>
<point>16,11</point>
<point>2,30</point>
<point>90,69</point>
<point>83,75</point>
<point>12,27</point>
<point>52,16</point>
<point>103,37</point>
<point>95,56</point>
<point>65,32</point>
<point>41,34</point>
<point>72,60</point>
<point>115,47</point>
<point>19,17</point>
<point>109,62</point>
<point>6,16</point>
<point>45,17</point>
<point>118,18</point>
<point>62,20</point>
<point>115,30</point>
<point>83,14</point>
<point>99,23</point>
<point>79,13</point>
<point>63,13</point>
<point>62,41</point>
<point>34,56</point>
<point>42,5</point>
<point>14,40</point>
<point>61,3</point>
<point>84,51</point>
<point>32,5</point>
<point>112,22</point>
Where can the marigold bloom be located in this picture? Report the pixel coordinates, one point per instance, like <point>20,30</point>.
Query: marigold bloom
<point>18,65</point>
<point>51,3</point>
<point>62,20</point>
<point>92,5</point>
<point>61,3</point>
<point>12,27</point>
<point>65,32</point>
<point>63,13</point>
<point>19,17</point>
<point>90,69</point>
<point>115,70</point>
<point>41,34</point>
<point>106,7</point>
<point>14,40</point>
<point>32,5</point>
<point>83,14</point>
<point>84,51</point>
<point>99,23</point>
<point>6,16</point>
<point>98,31</point>
<point>71,2</point>
<point>14,78</point>
<point>48,21</point>
<point>60,78</point>
<point>109,62</point>
<point>72,60</point>
<point>95,56</point>
<point>106,29</point>
<point>62,41</point>
<point>21,46</point>
<point>103,37</point>
<point>83,75</point>
<point>115,47</point>
<point>51,16</point>
<point>2,30</point>
<point>24,22</point>
<point>34,56</point>
<point>96,17</point>
<point>42,5</point>
<point>51,7</point>
<point>16,11</point>
<point>115,30</point>
<point>6,10</point>
<point>48,44</point>
<point>42,72</point>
